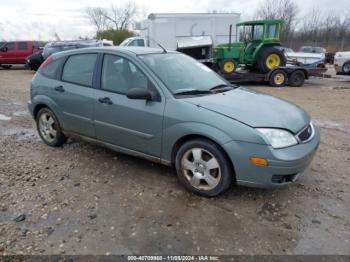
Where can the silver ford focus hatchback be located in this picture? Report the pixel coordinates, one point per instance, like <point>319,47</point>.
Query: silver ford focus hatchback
<point>171,109</point>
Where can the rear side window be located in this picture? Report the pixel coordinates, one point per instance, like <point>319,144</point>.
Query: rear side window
<point>79,69</point>
<point>22,46</point>
<point>51,69</point>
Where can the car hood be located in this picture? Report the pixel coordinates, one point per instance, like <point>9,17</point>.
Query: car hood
<point>254,109</point>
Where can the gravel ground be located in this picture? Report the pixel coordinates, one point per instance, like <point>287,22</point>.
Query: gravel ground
<point>84,199</point>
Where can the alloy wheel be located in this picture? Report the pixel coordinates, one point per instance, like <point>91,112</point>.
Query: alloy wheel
<point>201,169</point>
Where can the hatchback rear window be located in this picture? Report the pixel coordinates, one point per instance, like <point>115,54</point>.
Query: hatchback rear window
<point>79,69</point>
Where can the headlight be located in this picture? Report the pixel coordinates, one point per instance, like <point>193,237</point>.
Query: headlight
<point>278,138</point>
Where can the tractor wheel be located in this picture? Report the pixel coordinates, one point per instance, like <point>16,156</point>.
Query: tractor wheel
<point>278,78</point>
<point>270,59</point>
<point>228,66</point>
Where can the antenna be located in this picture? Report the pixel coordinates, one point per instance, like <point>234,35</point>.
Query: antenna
<point>164,50</point>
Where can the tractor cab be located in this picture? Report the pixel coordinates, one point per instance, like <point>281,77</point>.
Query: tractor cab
<point>254,46</point>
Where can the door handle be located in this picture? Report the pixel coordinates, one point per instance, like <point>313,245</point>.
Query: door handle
<point>59,89</point>
<point>105,100</point>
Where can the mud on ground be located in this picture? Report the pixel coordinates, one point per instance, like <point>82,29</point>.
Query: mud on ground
<point>84,199</point>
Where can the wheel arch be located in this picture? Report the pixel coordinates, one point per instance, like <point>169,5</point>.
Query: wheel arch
<point>182,140</point>
<point>38,107</point>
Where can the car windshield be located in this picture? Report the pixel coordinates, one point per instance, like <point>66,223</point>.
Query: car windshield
<point>181,73</point>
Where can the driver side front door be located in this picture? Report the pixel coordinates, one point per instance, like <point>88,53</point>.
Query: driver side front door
<point>135,125</point>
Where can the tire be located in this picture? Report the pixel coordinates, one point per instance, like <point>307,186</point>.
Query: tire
<point>195,155</point>
<point>278,78</point>
<point>271,58</point>
<point>346,68</point>
<point>297,78</point>
<point>49,128</point>
<point>7,66</point>
<point>228,66</point>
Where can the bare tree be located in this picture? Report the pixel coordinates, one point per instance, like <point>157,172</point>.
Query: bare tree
<point>121,16</point>
<point>287,10</point>
<point>97,17</point>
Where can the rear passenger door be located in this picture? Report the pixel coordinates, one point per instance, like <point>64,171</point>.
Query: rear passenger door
<point>74,93</point>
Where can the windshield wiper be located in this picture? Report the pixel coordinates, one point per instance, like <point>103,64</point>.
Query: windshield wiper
<point>221,88</point>
<point>193,92</point>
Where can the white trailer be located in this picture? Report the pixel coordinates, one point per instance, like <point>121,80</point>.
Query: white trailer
<point>193,34</point>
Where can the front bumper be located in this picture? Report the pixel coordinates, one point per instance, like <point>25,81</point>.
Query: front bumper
<point>285,165</point>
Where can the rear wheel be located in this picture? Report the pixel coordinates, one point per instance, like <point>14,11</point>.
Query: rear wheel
<point>278,78</point>
<point>203,168</point>
<point>346,68</point>
<point>7,66</point>
<point>270,59</point>
<point>49,128</point>
<point>297,78</point>
<point>228,66</point>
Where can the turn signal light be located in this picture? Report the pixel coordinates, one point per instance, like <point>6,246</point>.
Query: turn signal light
<point>259,161</point>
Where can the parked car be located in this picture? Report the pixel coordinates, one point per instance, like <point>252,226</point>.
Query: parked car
<point>16,52</point>
<point>59,46</point>
<point>35,60</point>
<point>170,108</point>
<point>342,63</point>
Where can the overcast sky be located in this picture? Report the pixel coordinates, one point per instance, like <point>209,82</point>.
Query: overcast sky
<point>40,19</point>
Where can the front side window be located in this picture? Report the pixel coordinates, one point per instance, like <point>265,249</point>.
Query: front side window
<point>79,69</point>
<point>247,33</point>
<point>119,75</point>
<point>10,46</point>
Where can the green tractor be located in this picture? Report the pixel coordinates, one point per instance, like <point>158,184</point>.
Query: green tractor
<point>255,47</point>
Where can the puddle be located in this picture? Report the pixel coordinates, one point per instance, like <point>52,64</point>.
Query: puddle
<point>4,118</point>
<point>20,113</point>
<point>21,134</point>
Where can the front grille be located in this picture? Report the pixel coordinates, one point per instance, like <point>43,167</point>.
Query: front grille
<point>306,134</point>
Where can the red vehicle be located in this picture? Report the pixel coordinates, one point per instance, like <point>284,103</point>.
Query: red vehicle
<point>16,52</point>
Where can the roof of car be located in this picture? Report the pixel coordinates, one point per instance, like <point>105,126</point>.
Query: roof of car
<point>127,50</point>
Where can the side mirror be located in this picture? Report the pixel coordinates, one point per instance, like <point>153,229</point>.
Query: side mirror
<point>3,49</point>
<point>139,93</point>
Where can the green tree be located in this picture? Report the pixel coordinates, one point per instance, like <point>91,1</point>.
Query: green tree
<point>117,36</point>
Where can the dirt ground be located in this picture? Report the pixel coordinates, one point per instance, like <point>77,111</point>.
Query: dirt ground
<point>84,199</point>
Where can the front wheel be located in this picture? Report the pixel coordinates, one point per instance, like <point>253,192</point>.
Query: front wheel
<point>49,128</point>
<point>7,66</point>
<point>228,66</point>
<point>203,168</point>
